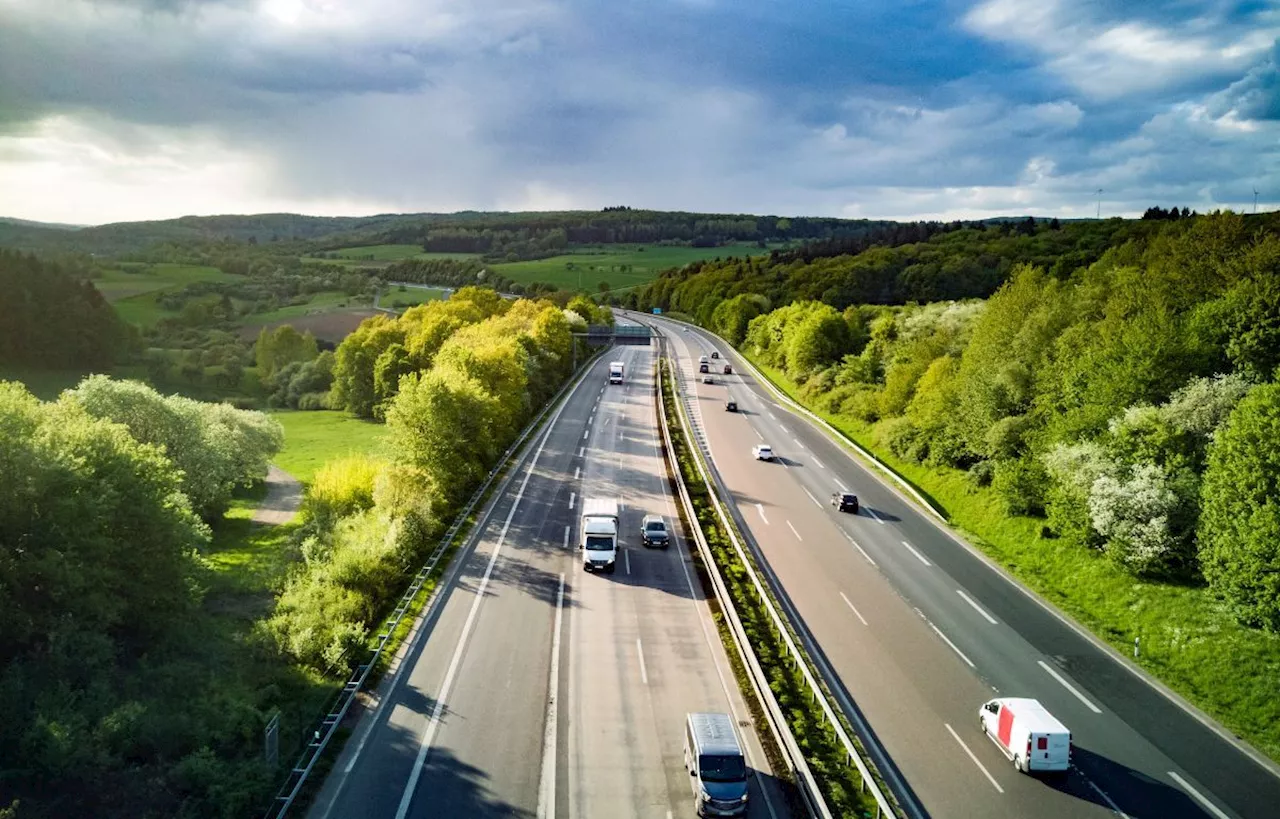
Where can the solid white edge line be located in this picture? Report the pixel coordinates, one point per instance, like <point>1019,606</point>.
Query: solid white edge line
<point>644,673</point>
<point>760,508</point>
<point>947,640</point>
<point>1095,709</point>
<point>981,767</point>
<point>1209,806</point>
<point>976,607</point>
<point>854,609</point>
<point>816,461</point>
<point>919,556</point>
<point>757,432</point>
<point>572,497</point>
<point>849,538</point>
<point>547,787</point>
<point>794,532</point>
<point>879,519</point>
<point>434,723</point>
<point>812,498</point>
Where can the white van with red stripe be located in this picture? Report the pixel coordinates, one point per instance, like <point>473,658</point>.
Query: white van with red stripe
<point>1027,733</point>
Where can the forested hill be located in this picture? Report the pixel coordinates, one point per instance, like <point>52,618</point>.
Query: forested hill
<point>952,262</point>
<point>524,234</point>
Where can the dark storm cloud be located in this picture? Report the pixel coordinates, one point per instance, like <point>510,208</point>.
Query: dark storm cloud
<point>871,108</point>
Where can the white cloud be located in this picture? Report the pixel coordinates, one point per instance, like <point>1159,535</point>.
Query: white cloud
<point>1108,58</point>
<point>65,169</point>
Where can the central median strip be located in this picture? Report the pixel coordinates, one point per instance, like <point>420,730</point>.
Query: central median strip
<point>829,772</point>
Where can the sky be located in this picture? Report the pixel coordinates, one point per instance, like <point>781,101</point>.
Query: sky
<point>117,110</point>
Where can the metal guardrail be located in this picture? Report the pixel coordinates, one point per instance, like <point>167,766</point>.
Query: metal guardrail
<point>819,696</point>
<point>298,774</point>
<point>778,726</point>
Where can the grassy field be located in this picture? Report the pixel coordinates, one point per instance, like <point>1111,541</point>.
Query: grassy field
<point>324,302</point>
<point>134,294</point>
<point>117,285</point>
<point>1188,641</point>
<point>398,297</point>
<point>618,265</point>
<point>384,254</point>
<point>312,439</point>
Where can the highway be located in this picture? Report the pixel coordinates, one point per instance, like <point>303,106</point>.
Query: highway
<point>920,630</point>
<point>533,689</point>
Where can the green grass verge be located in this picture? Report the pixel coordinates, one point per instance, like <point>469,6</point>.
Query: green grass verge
<point>1188,640</point>
<point>618,265</point>
<point>312,439</point>
<point>838,780</point>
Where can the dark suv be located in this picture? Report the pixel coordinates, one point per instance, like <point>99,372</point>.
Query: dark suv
<point>653,532</point>
<point>845,501</point>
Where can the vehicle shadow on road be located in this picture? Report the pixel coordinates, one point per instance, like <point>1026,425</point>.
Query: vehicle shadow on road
<point>1132,791</point>
<point>874,513</point>
<point>779,791</point>
<point>451,787</point>
<point>512,572</point>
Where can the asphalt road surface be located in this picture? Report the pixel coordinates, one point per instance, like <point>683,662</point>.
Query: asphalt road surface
<point>920,631</point>
<point>534,689</point>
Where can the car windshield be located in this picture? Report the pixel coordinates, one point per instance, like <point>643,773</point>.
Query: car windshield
<point>722,768</point>
<point>655,526</point>
<point>598,543</point>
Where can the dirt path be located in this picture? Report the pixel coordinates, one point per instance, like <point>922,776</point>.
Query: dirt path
<point>284,493</point>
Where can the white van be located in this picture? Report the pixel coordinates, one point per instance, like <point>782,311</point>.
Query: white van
<point>1027,733</point>
<point>713,757</point>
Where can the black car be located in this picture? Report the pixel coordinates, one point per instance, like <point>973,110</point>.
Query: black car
<point>704,368</point>
<point>653,532</point>
<point>730,406</point>
<point>845,501</point>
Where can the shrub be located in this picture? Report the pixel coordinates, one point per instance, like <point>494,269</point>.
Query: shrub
<point>1072,471</point>
<point>903,439</point>
<point>1021,485</point>
<point>981,473</point>
<point>1145,517</point>
<point>341,488</point>
<point>1240,524</point>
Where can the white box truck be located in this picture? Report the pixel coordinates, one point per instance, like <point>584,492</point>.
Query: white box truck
<point>615,372</point>
<point>1027,734</point>
<point>599,542</point>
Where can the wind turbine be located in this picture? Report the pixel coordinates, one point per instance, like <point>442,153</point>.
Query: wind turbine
<point>1255,199</point>
<point>1098,193</point>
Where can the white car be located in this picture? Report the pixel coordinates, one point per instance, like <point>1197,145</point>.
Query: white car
<point>762,452</point>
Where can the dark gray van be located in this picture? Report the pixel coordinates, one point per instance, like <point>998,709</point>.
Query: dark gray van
<point>713,756</point>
